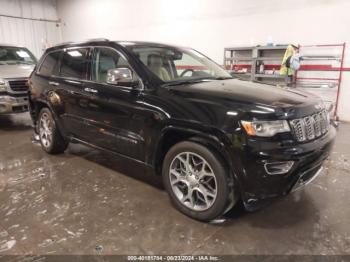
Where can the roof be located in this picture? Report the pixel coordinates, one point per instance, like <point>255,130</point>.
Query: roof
<point>141,43</point>
<point>79,42</point>
<point>104,40</point>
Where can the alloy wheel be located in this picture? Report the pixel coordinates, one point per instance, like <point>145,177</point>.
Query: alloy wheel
<point>193,181</point>
<point>45,130</point>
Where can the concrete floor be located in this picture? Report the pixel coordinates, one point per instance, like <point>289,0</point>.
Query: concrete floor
<point>88,202</point>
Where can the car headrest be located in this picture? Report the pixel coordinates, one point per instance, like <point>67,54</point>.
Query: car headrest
<point>106,63</point>
<point>154,60</point>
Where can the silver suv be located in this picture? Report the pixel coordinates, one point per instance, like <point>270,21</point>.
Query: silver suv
<point>16,64</point>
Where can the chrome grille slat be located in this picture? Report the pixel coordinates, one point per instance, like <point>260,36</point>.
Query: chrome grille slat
<point>298,129</point>
<point>18,85</point>
<point>310,127</point>
<point>324,122</point>
<point>317,125</point>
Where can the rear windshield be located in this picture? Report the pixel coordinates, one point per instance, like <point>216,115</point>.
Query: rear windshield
<point>16,55</point>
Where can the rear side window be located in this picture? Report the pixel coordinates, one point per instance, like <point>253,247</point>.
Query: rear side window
<point>74,63</point>
<point>50,64</point>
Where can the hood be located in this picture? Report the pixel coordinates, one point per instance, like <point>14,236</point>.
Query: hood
<point>249,97</point>
<point>250,92</point>
<point>15,71</point>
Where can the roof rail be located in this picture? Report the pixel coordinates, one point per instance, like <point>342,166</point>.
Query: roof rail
<point>64,43</point>
<point>80,42</point>
<point>97,39</point>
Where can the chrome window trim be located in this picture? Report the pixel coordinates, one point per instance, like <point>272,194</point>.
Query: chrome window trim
<point>142,86</point>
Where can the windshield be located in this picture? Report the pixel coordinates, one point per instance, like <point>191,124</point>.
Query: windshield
<point>178,65</point>
<point>16,55</point>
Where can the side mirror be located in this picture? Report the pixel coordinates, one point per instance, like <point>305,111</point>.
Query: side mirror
<point>121,75</point>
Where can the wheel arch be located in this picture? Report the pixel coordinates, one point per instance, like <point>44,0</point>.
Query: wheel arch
<point>173,135</point>
<point>215,141</point>
<point>38,105</point>
<point>35,108</point>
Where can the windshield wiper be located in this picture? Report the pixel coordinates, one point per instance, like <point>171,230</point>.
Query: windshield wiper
<point>183,82</point>
<point>198,80</point>
<point>217,78</point>
<point>223,77</point>
<point>25,63</point>
<point>9,62</point>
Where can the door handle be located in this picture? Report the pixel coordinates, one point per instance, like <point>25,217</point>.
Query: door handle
<point>53,83</point>
<point>90,90</point>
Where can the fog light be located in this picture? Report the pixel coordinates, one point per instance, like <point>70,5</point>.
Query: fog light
<point>6,99</point>
<point>278,168</point>
<point>2,108</point>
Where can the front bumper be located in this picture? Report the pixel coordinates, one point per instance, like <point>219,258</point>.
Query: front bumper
<point>306,178</point>
<point>10,105</point>
<point>257,185</point>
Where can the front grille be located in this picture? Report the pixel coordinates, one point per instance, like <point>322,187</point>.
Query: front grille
<point>19,85</point>
<point>310,127</point>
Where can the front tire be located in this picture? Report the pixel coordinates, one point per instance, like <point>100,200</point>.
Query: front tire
<point>51,139</point>
<point>196,180</point>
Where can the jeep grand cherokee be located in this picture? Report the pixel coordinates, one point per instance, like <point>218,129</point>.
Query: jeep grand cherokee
<point>213,139</point>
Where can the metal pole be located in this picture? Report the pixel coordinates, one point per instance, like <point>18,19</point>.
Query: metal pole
<point>339,80</point>
<point>295,80</point>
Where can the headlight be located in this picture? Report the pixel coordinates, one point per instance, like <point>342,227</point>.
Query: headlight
<point>265,128</point>
<point>2,85</point>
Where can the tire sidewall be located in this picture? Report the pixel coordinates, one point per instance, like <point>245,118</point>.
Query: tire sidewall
<point>221,175</point>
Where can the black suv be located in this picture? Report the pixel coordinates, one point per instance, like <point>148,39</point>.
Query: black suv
<point>215,140</point>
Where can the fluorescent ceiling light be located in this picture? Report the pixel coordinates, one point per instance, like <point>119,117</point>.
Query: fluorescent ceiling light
<point>74,53</point>
<point>22,54</point>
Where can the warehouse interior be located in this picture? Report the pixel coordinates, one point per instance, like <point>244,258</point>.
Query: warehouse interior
<point>87,201</point>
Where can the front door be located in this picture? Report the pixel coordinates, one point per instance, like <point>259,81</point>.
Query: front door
<point>117,116</point>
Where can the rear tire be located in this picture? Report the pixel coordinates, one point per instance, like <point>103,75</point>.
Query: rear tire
<point>197,181</point>
<point>51,139</point>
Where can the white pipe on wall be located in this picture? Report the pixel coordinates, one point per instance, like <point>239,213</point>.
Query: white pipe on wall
<point>29,18</point>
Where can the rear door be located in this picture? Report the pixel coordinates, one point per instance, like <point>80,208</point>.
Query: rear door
<point>45,79</point>
<point>70,88</point>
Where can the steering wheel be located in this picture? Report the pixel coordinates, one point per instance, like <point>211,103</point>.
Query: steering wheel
<point>186,71</point>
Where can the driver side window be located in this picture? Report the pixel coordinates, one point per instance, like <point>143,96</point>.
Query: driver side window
<point>104,60</point>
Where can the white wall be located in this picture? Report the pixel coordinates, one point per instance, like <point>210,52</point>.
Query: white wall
<point>33,34</point>
<point>211,25</point>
